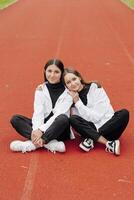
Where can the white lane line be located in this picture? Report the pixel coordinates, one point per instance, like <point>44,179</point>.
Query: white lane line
<point>29,181</point>
<point>61,36</point>
<point>118,38</point>
<point>126,51</point>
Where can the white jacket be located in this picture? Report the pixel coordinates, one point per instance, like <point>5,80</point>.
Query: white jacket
<point>43,107</point>
<point>98,109</point>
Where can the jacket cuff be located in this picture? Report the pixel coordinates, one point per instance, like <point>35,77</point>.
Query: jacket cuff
<point>42,128</point>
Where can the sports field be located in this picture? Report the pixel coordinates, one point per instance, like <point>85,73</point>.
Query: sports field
<point>97,38</point>
<point>130,3</point>
<point>6,3</point>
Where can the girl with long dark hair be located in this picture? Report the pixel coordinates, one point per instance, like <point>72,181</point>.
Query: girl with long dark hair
<point>49,126</point>
<point>93,116</point>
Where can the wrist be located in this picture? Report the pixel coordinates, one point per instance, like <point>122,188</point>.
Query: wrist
<point>40,130</point>
<point>76,99</point>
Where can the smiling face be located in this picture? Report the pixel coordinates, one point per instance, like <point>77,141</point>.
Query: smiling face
<point>73,82</point>
<point>53,74</point>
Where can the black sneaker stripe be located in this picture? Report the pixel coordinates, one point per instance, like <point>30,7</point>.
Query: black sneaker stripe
<point>86,146</point>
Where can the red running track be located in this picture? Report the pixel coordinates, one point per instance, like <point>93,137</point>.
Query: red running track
<point>96,37</point>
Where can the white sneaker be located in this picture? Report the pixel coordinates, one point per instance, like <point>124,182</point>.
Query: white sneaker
<point>87,144</point>
<point>113,147</point>
<point>25,146</point>
<point>54,146</point>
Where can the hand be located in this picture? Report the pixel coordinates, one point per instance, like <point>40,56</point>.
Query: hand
<point>35,136</point>
<point>74,95</point>
<point>39,143</point>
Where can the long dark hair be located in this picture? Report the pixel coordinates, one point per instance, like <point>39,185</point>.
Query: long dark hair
<point>76,73</point>
<point>56,62</point>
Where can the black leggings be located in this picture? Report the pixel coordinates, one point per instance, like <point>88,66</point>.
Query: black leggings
<point>60,128</point>
<point>111,130</point>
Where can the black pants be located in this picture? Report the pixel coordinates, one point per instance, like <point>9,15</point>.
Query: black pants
<point>111,130</point>
<point>60,128</point>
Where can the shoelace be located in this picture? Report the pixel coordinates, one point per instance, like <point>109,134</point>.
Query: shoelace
<point>52,151</point>
<point>24,150</point>
<point>110,147</point>
<point>111,144</point>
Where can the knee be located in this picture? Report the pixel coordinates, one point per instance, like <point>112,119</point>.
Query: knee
<point>125,115</point>
<point>14,119</point>
<point>73,119</point>
<point>63,118</point>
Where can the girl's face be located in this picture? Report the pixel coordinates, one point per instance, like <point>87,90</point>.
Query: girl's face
<point>73,82</point>
<point>53,74</point>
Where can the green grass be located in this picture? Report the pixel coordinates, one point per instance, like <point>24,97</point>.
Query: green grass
<point>129,3</point>
<point>6,3</point>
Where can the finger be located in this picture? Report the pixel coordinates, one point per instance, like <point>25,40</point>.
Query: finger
<point>38,137</point>
<point>39,143</point>
<point>36,140</point>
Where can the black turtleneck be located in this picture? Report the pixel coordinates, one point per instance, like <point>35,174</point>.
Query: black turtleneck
<point>55,90</point>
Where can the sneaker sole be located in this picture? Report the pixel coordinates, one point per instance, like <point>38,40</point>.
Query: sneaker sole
<point>84,148</point>
<point>117,149</point>
<point>54,150</point>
